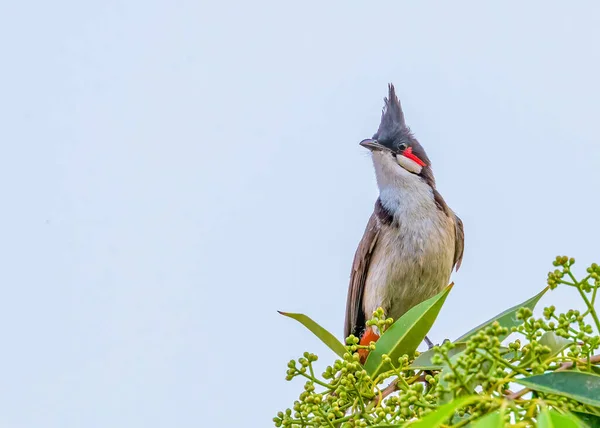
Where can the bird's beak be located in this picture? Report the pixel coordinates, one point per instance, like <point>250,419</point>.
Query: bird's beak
<point>374,145</point>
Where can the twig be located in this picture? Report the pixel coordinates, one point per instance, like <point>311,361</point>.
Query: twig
<point>393,387</point>
<point>390,389</point>
<point>564,366</point>
<point>518,394</point>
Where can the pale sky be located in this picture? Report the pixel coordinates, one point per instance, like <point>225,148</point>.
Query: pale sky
<point>174,172</point>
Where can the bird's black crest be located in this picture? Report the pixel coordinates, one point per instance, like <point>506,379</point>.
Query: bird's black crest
<point>392,118</point>
<point>393,131</point>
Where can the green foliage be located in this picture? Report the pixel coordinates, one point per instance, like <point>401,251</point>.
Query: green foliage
<point>326,337</point>
<point>509,318</point>
<point>405,335</point>
<point>514,370</point>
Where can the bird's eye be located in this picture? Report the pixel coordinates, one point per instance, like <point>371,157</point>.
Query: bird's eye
<point>402,146</point>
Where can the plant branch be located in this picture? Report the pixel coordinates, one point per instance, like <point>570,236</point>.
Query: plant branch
<point>393,387</point>
<point>390,389</point>
<point>565,366</point>
<point>591,308</point>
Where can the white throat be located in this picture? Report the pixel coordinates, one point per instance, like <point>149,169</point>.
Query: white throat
<point>400,191</point>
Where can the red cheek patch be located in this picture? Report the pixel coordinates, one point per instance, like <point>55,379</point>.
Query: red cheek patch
<point>409,154</point>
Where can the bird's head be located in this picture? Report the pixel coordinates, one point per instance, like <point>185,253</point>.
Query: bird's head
<point>394,144</point>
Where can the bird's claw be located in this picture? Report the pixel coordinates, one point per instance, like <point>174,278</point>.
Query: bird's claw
<point>429,342</point>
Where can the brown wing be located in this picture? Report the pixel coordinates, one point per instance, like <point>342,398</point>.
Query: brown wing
<point>459,233</point>
<point>459,244</point>
<point>355,316</point>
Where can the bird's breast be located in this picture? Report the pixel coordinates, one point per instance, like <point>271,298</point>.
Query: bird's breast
<point>414,254</point>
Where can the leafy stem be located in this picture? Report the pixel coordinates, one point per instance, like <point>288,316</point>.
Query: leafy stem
<point>506,364</point>
<point>477,372</point>
<point>590,306</point>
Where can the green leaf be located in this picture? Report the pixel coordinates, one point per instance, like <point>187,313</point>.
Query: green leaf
<point>550,418</point>
<point>406,333</point>
<point>555,342</point>
<point>446,397</point>
<point>492,420</point>
<point>590,421</point>
<point>443,413</point>
<point>550,339</point>
<point>423,361</point>
<point>507,319</point>
<point>326,337</point>
<point>510,355</point>
<point>583,387</point>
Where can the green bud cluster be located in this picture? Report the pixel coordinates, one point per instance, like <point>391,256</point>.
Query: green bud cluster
<point>486,365</point>
<point>379,320</point>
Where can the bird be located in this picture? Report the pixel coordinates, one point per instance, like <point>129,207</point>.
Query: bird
<point>413,240</point>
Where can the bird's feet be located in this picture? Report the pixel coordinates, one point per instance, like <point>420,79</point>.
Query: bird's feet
<point>429,342</point>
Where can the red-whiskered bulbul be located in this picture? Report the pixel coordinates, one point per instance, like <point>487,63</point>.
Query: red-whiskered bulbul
<point>413,240</point>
